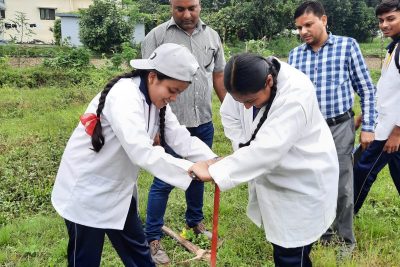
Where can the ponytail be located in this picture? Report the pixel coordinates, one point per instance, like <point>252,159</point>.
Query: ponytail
<point>162,126</point>
<point>273,67</point>
<point>97,136</point>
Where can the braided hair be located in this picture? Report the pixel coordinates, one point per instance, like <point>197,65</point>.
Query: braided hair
<point>97,136</point>
<point>246,74</point>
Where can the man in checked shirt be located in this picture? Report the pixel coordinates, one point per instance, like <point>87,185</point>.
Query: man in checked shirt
<point>336,67</point>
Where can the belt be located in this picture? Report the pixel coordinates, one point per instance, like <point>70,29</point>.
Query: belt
<point>340,118</point>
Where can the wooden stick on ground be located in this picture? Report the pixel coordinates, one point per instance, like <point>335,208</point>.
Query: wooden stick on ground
<point>200,253</point>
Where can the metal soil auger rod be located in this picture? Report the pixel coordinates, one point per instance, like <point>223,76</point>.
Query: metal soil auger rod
<point>201,254</point>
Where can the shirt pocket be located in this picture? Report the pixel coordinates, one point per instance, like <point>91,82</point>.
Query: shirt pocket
<point>336,75</point>
<point>209,58</point>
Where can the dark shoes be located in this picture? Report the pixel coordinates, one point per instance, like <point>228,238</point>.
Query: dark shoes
<point>158,253</point>
<point>200,229</point>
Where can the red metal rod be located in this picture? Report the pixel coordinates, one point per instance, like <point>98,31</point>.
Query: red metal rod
<point>214,240</point>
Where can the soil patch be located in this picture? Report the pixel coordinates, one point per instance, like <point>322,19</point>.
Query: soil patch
<point>372,62</point>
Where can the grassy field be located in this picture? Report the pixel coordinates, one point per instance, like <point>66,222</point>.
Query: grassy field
<point>35,125</point>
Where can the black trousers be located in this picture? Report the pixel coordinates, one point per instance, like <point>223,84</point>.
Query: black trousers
<point>86,243</point>
<point>292,257</point>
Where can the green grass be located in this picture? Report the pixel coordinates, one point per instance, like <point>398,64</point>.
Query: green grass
<point>35,125</point>
<point>376,48</point>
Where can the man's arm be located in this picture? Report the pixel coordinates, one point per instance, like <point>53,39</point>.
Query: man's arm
<point>218,83</point>
<point>362,84</point>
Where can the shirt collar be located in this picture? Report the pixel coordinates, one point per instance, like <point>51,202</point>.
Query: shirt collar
<point>392,45</point>
<point>200,25</point>
<point>145,91</point>
<point>330,41</point>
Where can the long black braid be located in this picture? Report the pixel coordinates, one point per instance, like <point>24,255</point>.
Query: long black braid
<point>162,126</point>
<point>246,73</point>
<point>97,137</point>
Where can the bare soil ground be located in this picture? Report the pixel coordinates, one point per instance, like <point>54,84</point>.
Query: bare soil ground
<point>372,62</point>
<point>32,61</point>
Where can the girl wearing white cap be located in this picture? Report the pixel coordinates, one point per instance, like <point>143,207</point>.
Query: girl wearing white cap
<point>95,189</point>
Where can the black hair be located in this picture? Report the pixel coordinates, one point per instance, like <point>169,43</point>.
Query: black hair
<point>314,7</point>
<point>97,137</point>
<point>246,73</point>
<point>387,6</point>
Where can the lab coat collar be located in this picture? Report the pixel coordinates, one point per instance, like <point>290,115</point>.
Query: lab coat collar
<point>145,91</point>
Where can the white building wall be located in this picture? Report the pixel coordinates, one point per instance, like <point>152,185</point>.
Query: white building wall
<point>138,33</point>
<point>70,30</point>
<point>31,9</point>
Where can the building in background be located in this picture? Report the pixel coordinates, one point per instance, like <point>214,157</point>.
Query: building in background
<point>39,14</point>
<point>70,30</point>
<point>2,16</point>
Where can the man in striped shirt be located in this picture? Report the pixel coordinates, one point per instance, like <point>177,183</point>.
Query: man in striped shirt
<point>336,67</point>
<point>193,108</point>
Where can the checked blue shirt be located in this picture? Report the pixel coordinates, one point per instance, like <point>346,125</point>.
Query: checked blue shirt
<point>338,69</point>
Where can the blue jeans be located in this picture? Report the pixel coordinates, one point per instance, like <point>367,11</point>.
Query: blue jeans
<point>371,162</point>
<point>159,192</point>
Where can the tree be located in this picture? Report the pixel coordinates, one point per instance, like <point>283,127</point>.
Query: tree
<point>350,18</point>
<point>22,27</point>
<point>255,19</point>
<point>362,24</point>
<point>103,28</point>
<point>57,31</point>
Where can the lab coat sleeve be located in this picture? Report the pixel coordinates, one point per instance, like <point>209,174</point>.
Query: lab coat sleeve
<point>179,139</point>
<point>230,118</point>
<point>125,111</point>
<point>274,139</point>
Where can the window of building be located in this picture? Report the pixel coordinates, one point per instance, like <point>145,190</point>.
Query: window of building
<point>2,14</point>
<point>47,13</point>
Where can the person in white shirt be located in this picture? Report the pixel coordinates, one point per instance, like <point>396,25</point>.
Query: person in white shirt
<point>285,151</point>
<point>384,150</point>
<point>96,185</point>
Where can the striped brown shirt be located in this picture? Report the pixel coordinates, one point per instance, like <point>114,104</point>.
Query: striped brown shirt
<point>193,106</point>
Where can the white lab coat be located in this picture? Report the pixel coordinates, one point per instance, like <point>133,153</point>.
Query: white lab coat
<point>95,189</point>
<point>291,165</point>
<point>388,99</point>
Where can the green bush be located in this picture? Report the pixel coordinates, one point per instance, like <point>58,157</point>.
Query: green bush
<point>281,46</point>
<point>57,31</point>
<point>128,52</point>
<point>258,47</point>
<point>14,50</point>
<point>36,77</point>
<point>76,58</point>
<point>103,27</point>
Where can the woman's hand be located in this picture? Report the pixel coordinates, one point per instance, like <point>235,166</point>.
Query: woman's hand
<point>199,170</point>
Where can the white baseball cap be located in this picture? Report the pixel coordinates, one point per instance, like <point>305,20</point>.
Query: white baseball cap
<point>172,60</point>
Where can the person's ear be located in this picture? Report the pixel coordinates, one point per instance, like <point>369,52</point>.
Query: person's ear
<point>269,82</point>
<point>151,77</point>
<point>324,19</point>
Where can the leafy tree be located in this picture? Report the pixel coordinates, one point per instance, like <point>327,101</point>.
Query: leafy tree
<point>103,28</point>
<point>22,29</point>
<point>361,25</point>
<point>215,5</point>
<point>255,19</point>
<point>350,18</point>
<point>57,31</point>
